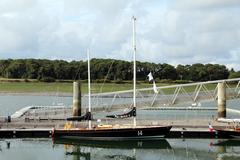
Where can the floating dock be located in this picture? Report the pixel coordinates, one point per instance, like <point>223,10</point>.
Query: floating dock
<point>39,121</point>
<point>43,129</point>
<point>25,133</point>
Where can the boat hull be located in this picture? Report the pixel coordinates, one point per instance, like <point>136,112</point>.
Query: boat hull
<point>228,132</point>
<point>152,132</point>
<point>228,142</point>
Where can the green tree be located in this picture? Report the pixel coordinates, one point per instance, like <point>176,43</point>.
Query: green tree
<point>16,69</point>
<point>3,66</point>
<point>183,72</point>
<point>197,72</point>
<point>46,71</point>
<point>234,75</point>
<point>32,68</point>
<point>168,72</point>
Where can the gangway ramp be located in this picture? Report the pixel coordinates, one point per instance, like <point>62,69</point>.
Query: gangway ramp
<point>191,93</point>
<point>173,97</point>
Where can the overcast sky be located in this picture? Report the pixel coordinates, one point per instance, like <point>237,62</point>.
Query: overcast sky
<point>168,31</point>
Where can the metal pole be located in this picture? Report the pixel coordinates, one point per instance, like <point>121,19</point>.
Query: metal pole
<point>221,100</point>
<point>89,87</point>
<point>89,83</point>
<point>134,67</point>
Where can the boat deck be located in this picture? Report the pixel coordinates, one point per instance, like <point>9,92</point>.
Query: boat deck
<point>117,126</point>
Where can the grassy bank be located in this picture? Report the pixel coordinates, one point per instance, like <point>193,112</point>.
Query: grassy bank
<point>34,87</point>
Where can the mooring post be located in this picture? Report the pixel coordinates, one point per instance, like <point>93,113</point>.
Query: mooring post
<point>221,100</point>
<point>76,98</point>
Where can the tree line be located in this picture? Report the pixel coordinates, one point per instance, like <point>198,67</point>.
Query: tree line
<point>109,69</point>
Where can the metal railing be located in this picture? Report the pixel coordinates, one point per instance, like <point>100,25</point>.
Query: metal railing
<point>191,93</point>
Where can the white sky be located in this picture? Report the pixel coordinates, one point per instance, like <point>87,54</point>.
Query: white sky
<point>168,31</point>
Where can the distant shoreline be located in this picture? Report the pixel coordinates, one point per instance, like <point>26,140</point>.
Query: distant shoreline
<point>62,89</point>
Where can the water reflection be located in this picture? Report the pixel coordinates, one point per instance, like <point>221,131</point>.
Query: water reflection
<point>173,149</point>
<point>124,150</point>
<point>154,149</point>
<point>228,149</point>
<point>123,144</point>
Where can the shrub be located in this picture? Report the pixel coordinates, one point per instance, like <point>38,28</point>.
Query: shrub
<point>47,79</point>
<point>181,81</point>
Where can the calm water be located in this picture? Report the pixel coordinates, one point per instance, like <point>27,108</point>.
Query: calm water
<point>170,149</point>
<point>167,149</point>
<point>11,103</point>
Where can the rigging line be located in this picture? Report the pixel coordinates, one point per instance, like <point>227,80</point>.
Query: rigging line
<point>92,41</point>
<point>139,50</point>
<point>77,74</point>
<point>100,90</point>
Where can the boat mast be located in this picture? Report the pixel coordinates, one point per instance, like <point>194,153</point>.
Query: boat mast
<point>134,69</point>
<point>89,88</point>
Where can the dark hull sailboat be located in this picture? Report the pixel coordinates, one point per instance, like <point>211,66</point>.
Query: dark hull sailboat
<point>227,142</point>
<point>228,132</point>
<point>114,133</point>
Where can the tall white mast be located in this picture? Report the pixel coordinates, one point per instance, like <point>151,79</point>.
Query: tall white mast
<point>134,67</point>
<point>89,87</point>
<point>89,83</point>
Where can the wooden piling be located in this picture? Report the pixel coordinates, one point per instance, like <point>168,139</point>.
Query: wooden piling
<point>221,100</point>
<point>76,98</point>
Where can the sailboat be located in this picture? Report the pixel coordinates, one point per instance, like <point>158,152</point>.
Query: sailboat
<point>118,131</point>
<point>231,131</point>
